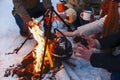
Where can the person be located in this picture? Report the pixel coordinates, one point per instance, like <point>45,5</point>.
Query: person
<point>106,25</point>
<point>69,16</point>
<point>108,61</point>
<point>85,17</point>
<point>24,10</point>
<point>78,5</point>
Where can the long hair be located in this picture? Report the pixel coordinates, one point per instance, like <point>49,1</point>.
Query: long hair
<point>111,21</point>
<point>109,8</point>
<point>104,7</point>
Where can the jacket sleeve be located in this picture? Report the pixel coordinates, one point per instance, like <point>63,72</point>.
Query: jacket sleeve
<point>19,8</point>
<point>110,41</point>
<point>92,28</point>
<point>106,61</point>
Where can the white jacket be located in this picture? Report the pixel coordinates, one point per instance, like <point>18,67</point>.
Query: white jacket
<point>92,28</point>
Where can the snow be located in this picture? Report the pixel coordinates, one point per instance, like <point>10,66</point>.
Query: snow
<point>11,39</point>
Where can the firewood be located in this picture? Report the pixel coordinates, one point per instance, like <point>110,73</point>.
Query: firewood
<point>28,59</point>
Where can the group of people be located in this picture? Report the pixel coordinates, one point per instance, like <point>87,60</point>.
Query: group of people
<point>105,31</point>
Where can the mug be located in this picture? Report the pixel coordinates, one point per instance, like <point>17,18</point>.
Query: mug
<point>60,7</point>
<point>86,15</point>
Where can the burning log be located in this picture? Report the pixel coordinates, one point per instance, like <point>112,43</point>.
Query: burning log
<point>44,57</point>
<point>25,71</point>
<point>28,59</point>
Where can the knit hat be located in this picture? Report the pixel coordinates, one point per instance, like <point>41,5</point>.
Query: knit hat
<point>71,13</point>
<point>88,8</point>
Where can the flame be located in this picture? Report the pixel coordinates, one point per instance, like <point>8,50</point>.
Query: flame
<point>39,49</point>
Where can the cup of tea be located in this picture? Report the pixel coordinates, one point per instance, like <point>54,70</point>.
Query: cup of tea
<point>60,7</point>
<point>86,15</point>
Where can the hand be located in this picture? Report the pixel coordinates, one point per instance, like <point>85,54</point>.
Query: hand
<point>82,51</point>
<point>58,34</point>
<point>91,41</point>
<point>33,23</point>
<point>63,16</point>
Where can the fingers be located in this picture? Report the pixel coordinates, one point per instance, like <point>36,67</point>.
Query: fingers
<point>91,41</point>
<point>79,48</point>
<point>82,52</point>
<point>78,55</point>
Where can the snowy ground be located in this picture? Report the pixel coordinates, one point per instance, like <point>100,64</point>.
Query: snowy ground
<point>10,39</point>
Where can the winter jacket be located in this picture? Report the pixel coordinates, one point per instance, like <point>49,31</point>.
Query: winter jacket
<point>21,7</point>
<point>104,60</point>
<point>92,28</point>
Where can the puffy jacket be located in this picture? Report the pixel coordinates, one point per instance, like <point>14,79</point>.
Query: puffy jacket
<point>21,7</point>
<point>107,60</point>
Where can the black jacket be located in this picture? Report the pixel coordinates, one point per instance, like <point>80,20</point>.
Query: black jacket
<point>107,60</point>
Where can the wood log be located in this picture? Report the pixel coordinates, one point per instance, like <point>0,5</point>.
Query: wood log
<point>28,59</point>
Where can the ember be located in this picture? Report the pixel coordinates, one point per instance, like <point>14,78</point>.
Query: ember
<point>48,54</point>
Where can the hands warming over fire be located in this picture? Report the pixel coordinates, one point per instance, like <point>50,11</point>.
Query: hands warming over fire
<point>82,51</point>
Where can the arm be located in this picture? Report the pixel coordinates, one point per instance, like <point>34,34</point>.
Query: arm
<point>110,41</point>
<point>88,29</point>
<point>106,61</point>
<point>92,28</point>
<point>100,60</point>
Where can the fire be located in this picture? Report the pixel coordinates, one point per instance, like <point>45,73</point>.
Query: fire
<point>39,49</point>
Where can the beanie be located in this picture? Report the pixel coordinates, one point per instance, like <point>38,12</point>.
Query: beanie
<point>88,8</point>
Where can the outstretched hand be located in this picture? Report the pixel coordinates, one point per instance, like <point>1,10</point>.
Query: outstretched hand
<point>91,42</point>
<point>83,52</point>
<point>33,22</point>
